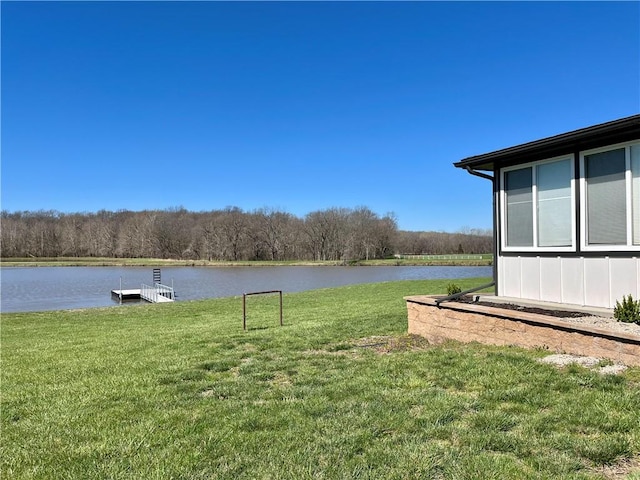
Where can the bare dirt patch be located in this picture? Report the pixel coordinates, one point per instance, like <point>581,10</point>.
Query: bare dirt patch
<point>620,470</point>
<point>380,344</point>
<point>388,344</point>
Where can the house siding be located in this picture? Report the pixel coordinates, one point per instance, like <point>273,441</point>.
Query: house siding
<point>579,274</point>
<point>587,281</point>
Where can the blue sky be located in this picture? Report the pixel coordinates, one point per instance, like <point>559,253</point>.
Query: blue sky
<point>297,106</point>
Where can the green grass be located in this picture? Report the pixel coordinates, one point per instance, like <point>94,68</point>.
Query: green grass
<point>181,391</point>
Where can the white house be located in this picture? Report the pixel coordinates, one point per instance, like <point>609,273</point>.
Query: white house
<point>567,215</point>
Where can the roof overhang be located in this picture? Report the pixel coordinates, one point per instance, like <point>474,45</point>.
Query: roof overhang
<point>617,131</point>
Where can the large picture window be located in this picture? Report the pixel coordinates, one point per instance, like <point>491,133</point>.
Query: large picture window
<point>611,203</point>
<point>538,213</point>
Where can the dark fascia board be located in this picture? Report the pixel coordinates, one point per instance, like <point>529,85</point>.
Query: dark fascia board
<point>617,131</point>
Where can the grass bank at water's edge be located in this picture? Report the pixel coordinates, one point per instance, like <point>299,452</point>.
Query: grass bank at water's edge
<point>433,260</point>
<point>181,391</point>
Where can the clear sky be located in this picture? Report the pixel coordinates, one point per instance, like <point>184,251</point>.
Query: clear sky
<point>297,106</point>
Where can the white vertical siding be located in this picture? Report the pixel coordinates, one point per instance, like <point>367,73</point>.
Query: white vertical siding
<point>551,279</point>
<point>530,277</point>
<point>572,280</point>
<point>597,282</point>
<point>624,279</point>
<point>511,270</point>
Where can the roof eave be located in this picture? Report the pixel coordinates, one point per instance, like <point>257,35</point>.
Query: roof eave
<point>617,131</point>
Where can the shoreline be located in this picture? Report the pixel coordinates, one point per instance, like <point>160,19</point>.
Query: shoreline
<point>154,262</point>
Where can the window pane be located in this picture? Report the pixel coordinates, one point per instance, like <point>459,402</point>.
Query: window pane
<point>606,198</point>
<point>554,204</point>
<point>519,208</point>
<point>635,194</point>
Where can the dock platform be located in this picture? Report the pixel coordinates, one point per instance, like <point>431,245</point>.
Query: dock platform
<point>130,294</point>
<point>154,294</point>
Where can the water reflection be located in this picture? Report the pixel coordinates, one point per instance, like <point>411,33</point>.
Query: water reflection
<point>54,288</point>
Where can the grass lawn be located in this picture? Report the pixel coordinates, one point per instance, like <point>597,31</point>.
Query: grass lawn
<point>340,392</point>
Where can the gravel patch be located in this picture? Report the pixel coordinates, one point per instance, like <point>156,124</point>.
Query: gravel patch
<point>562,360</point>
<point>606,324</point>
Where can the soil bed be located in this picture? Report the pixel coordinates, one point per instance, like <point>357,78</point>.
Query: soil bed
<point>571,316</point>
<point>521,308</point>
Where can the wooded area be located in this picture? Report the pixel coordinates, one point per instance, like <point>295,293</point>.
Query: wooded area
<point>231,234</point>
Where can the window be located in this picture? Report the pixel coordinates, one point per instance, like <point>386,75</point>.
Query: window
<point>519,187</point>
<point>554,204</point>
<point>538,203</point>
<point>611,202</point>
<point>606,198</point>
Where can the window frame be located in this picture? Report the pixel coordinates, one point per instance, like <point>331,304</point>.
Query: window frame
<point>628,182</point>
<point>534,191</point>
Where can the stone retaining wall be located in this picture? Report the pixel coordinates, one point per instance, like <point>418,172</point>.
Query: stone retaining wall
<point>496,326</point>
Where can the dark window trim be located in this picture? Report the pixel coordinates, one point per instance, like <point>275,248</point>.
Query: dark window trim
<point>577,252</point>
<point>498,213</point>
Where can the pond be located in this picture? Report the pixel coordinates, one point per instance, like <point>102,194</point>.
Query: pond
<point>59,288</point>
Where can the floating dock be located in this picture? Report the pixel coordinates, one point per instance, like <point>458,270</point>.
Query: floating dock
<point>158,293</point>
<point>131,294</point>
<point>155,294</point>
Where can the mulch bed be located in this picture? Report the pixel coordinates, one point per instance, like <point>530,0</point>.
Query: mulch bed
<point>520,308</point>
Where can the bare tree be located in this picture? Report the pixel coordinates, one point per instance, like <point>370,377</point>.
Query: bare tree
<point>336,234</point>
<point>234,233</point>
<point>272,234</point>
<point>327,233</point>
<point>13,235</point>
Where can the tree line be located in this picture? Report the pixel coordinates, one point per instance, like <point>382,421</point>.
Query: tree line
<point>230,234</point>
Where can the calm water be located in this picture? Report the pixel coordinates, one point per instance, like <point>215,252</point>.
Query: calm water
<point>56,288</point>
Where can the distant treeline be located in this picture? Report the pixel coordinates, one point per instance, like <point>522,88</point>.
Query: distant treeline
<point>231,234</point>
